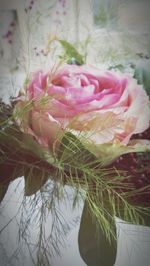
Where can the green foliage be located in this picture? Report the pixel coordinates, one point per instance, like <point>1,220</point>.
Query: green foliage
<point>105,15</point>
<point>93,245</point>
<point>142,74</point>
<point>81,169</point>
<point>35,178</point>
<point>71,52</point>
<point>106,190</point>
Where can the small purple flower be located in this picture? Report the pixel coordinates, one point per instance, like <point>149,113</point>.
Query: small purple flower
<point>12,24</point>
<point>8,34</point>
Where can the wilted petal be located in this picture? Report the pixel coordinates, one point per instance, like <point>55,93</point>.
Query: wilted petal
<point>48,130</point>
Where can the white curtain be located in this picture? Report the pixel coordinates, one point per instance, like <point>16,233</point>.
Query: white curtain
<point>39,22</point>
<point>116,32</point>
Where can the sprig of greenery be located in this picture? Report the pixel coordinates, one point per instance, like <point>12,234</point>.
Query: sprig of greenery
<point>71,53</point>
<point>105,189</point>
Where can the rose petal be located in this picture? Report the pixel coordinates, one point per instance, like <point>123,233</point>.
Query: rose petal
<point>47,129</point>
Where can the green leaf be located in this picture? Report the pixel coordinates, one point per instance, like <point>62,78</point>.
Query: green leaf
<point>118,66</point>
<point>74,152</point>
<point>94,247</point>
<point>8,172</point>
<point>35,178</point>
<point>3,190</point>
<point>71,52</point>
<point>109,152</point>
<point>142,74</point>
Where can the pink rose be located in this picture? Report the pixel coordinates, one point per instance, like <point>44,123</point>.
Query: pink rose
<point>104,107</point>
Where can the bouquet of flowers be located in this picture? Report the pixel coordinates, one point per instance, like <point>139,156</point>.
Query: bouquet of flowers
<point>87,128</point>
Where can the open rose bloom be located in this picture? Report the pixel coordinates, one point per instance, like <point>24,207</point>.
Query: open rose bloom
<point>105,109</point>
<point>106,114</point>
